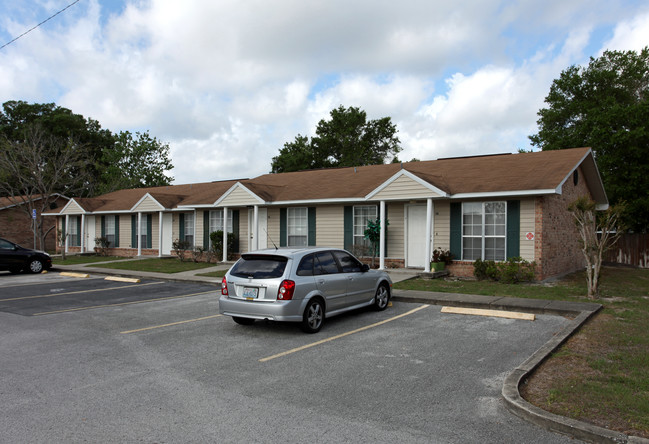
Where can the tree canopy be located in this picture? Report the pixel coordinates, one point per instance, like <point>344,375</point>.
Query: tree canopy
<point>346,139</point>
<point>109,161</point>
<point>47,150</point>
<point>605,106</point>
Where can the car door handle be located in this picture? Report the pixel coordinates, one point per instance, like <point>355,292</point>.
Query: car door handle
<point>321,281</point>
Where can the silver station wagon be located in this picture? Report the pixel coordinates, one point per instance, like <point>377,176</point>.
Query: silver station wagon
<point>303,285</point>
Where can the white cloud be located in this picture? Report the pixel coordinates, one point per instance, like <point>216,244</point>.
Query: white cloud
<point>228,83</point>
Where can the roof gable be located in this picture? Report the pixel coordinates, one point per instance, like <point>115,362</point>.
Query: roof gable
<point>147,204</point>
<point>405,183</point>
<point>238,195</point>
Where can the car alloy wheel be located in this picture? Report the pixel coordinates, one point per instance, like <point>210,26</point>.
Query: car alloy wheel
<point>313,316</point>
<point>382,297</point>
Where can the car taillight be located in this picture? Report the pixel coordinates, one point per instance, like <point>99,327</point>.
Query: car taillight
<point>224,287</point>
<point>286,290</point>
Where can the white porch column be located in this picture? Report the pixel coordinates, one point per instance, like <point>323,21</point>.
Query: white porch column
<point>139,234</point>
<point>83,234</point>
<point>382,236</point>
<point>196,244</point>
<point>160,234</point>
<point>225,234</point>
<point>255,228</point>
<point>429,223</point>
<point>67,230</point>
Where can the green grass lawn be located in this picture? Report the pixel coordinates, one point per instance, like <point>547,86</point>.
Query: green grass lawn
<point>601,375</point>
<point>215,274</point>
<point>76,260</point>
<point>159,265</point>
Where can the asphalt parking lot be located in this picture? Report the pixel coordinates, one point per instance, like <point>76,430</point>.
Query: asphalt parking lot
<point>94,360</point>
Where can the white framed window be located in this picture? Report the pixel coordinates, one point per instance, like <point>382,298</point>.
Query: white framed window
<point>144,232</point>
<point>216,221</point>
<point>484,230</point>
<point>109,230</point>
<point>189,229</point>
<point>74,240</point>
<point>363,214</point>
<point>297,226</point>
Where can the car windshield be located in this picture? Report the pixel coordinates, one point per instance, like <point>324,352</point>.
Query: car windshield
<point>259,266</point>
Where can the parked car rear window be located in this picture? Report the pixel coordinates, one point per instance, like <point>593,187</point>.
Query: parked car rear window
<point>325,264</point>
<point>306,266</point>
<point>259,266</point>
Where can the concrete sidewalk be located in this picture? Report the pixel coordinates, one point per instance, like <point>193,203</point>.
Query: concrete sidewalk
<point>578,312</point>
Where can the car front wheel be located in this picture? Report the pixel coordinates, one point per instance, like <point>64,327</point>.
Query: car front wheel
<point>35,266</point>
<point>313,316</point>
<point>382,297</point>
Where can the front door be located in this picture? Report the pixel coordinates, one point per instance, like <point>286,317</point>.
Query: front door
<point>91,233</point>
<point>263,228</point>
<point>416,235</point>
<point>167,235</point>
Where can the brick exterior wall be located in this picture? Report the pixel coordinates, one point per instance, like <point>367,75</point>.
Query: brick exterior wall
<point>16,226</point>
<point>556,244</point>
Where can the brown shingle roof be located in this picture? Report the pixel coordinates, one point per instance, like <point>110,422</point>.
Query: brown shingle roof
<point>527,172</point>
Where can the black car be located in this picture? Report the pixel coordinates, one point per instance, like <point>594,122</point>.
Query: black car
<point>15,258</point>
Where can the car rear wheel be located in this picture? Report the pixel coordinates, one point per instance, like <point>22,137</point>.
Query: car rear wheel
<point>243,321</point>
<point>382,297</point>
<point>313,316</point>
<point>35,266</point>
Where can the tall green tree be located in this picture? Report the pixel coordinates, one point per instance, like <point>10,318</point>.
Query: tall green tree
<point>135,161</point>
<point>346,139</point>
<point>605,106</point>
<point>109,161</point>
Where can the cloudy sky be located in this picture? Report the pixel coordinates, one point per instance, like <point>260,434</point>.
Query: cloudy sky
<point>226,83</point>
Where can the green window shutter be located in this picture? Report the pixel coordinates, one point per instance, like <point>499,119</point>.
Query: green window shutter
<point>235,228</point>
<point>206,229</point>
<point>103,226</point>
<point>311,227</point>
<point>78,231</point>
<point>348,227</point>
<point>63,229</point>
<point>181,226</point>
<point>149,230</point>
<point>283,240</point>
<point>456,230</point>
<point>513,228</point>
<point>133,230</point>
<point>116,230</point>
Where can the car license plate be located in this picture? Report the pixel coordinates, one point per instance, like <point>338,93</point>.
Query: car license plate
<point>250,293</point>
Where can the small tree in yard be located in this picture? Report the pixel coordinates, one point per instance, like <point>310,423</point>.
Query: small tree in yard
<point>593,246</point>
<point>373,234</point>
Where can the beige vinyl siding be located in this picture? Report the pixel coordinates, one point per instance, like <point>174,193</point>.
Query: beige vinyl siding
<point>396,230</point>
<point>273,226</point>
<point>155,230</point>
<point>442,224</point>
<point>404,188</point>
<point>528,215</point>
<point>148,205</point>
<point>175,227</point>
<point>198,228</point>
<point>125,231</point>
<point>73,208</point>
<point>98,226</point>
<point>330,226</point>
<point>238,197</point>
<point>244,242</point>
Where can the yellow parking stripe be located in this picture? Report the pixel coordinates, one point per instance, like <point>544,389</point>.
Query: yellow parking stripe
<point>169,325</point>
<point>122,303</point>
<point>367,327</point>
<point>50,295</point>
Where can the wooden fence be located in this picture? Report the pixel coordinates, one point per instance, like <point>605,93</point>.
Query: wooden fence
<point>630,249</point>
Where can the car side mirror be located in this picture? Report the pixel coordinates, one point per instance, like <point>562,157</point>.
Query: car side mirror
<point>365,268</point>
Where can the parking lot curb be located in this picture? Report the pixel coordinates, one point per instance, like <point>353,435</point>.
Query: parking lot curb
<point>514,402</point>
